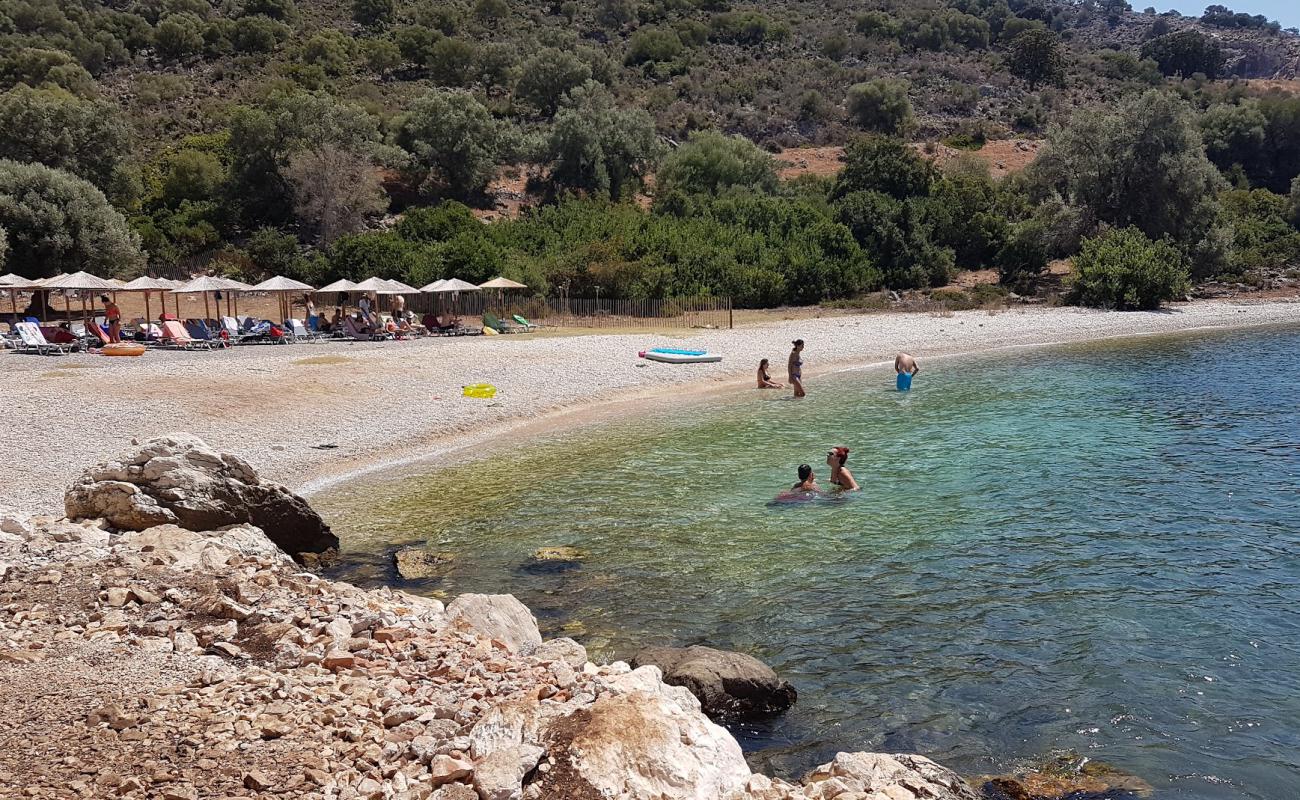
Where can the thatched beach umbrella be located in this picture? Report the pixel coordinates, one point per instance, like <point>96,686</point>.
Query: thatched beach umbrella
<point>205,285</point>
<point>148,286</point>
<point>11,283</point>
<point>283,286</point>
<point>502,285</point>
<point>79,282</point>
<point>451,286</point>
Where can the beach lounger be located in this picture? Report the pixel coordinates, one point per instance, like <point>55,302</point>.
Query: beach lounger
<point>352,331</point>
<point>300,332</point>
<point>199,332</point>
<point>175,335</point>
<point>490,321</point>
<point>33,341</point>
<point>528,326</point>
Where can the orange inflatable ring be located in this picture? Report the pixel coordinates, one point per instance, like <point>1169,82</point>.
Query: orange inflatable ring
<point>124,349</point>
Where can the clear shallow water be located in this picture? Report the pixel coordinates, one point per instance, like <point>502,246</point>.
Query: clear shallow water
<point>1089,548</point>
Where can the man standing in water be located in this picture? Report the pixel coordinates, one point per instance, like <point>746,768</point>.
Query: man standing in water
<point>906,368</point>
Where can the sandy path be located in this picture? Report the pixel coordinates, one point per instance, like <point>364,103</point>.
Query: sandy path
<point>380,402</point>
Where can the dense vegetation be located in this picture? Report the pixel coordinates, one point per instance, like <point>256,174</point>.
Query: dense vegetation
<point>323,139</point>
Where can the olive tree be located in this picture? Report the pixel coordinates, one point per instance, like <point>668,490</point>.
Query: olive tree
<point>454,142</point>
<point>50,126</point>
<point>56,222</point>
<point>597,146</point>
<point>1102,165</point>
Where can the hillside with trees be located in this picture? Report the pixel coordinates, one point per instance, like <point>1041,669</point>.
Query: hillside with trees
<point>327,138</point>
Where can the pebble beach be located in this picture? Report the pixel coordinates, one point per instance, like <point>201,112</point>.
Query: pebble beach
<point>311,414</point>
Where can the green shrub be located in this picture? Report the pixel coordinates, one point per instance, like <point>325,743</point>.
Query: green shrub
<point>712,163</point>
<point>880,106</point>
<point>653,44</point>
<point>373,13</point>
<point>258,34</point>
<point>1123,269</point>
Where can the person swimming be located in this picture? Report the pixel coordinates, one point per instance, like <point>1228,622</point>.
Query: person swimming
<point>807,480</point>
<point>794,368</point>
<point>765,377</point>
<point>836,457</point>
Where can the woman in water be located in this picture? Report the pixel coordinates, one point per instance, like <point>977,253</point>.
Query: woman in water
<point>840,475</point>
<point>795,368</point>
<point>765,377</point>
<point>807,480</point>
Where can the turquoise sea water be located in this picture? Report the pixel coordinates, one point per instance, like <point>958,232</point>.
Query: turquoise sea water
<point>1091,548</point>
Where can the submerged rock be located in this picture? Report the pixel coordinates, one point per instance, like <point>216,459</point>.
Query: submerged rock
<point>179,480</point>
<point>1066,776</point>
<point>562,552</point>
<point>554,559</point>
<point>415,563</point>
<point>727,684</point>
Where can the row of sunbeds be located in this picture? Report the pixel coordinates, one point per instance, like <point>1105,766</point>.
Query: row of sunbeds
<point>197,334</point>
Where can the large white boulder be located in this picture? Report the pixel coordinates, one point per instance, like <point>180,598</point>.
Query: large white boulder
<point>179,480</point>
<point>497,616</point>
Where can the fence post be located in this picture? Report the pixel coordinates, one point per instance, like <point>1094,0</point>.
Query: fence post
<point>731,317</point>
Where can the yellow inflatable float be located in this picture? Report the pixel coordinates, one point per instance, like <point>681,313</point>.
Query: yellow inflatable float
<point>124,349</point>
<point>484,391</point>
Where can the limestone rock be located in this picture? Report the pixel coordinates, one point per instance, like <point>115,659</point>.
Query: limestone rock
<point>416,563</point>
<point>562,649</point>
<point>180,480</point>
<point>898,777</point>
<point>497,616</point>
<point>727,684</point>
<point>500,776</point>
<point>642,746</point>
<point>198,549</point>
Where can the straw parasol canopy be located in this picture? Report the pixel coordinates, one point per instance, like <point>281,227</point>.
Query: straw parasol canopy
<point>283,286</point>
<point>205,285</point>
<point>451,286</point>
<point>11,283</point>
<point>81,282</point>
<point>454,285</point>
<point>402,288</point>
<point>340,285</point>
<point>502,283</point>
<point>433,287</point>
<point>147,286</point>
<point>376,285</point>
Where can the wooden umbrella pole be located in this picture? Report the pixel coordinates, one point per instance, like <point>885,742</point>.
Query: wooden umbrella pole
<point>147,315</point>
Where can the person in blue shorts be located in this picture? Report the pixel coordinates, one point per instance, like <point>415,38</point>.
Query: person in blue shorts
<point>906,368</point>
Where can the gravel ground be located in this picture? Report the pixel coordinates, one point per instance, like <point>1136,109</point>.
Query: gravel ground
<point>308,413</point>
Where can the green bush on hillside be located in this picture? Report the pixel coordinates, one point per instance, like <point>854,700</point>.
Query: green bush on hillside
<point>880,106</point>
<point>1123,269</point>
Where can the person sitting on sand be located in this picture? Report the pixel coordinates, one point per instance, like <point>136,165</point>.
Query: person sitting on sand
<point>807,480</point>
<point>906,365</point>
<point>840,475</point>
<point>794,368</point>
<point>765,377</point>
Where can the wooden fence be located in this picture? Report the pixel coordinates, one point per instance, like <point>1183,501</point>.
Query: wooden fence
<point>584,312</point>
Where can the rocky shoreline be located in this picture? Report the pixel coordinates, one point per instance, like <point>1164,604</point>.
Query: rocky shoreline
<point>182,664</point>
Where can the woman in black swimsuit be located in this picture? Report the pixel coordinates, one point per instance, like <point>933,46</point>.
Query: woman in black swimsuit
<point>765,377</point>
